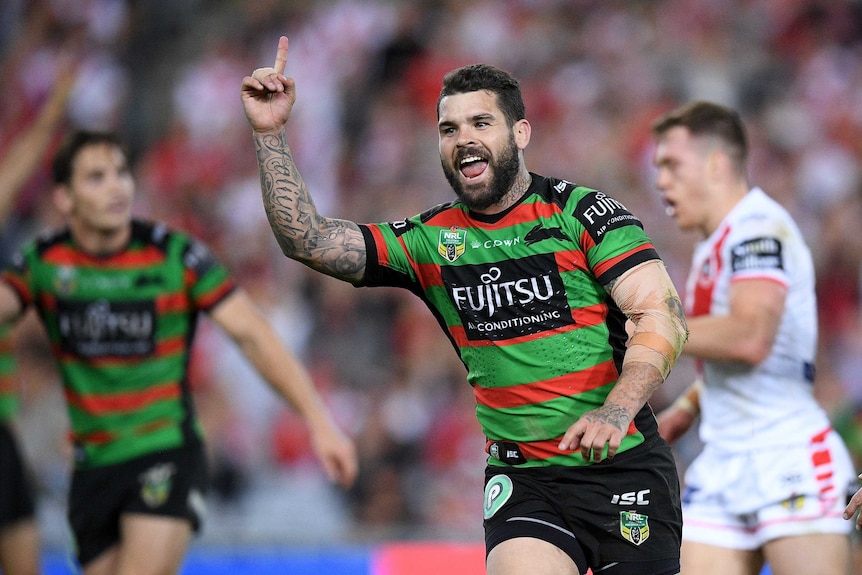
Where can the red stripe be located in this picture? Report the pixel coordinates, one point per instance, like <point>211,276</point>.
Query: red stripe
<point>571,260</point>
<point>586,241</point>
<point>20,287</point>
<point>821,457</point>
<point>548,448</point>
<point>123,402</point>
<point>8,385</point>
<point>211,298</point>
<point>96,437</point>
<point>533,393</point>
<point>102,437</point>
<point>62,254</point>
<point>382,249</point>
<point>429,275</point>
<point>701,298</point>
<point>172,302</point>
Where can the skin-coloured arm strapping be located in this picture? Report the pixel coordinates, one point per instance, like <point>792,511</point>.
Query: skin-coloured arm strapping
<point>649,299</point>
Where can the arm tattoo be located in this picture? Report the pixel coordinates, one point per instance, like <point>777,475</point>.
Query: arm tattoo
<point>635,386</point>
<point>332,246</point>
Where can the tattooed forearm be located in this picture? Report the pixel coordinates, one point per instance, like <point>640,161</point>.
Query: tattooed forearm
<point>637,382</point>
<point>332,246</point>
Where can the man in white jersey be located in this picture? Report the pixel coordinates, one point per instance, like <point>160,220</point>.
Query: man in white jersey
<point>772,481</point>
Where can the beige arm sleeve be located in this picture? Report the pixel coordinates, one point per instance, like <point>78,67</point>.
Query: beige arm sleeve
<point>649,299</point>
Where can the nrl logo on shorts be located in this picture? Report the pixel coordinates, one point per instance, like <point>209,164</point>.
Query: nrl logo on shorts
<point>156,483</point>
<point>634,527</point>
<point>452,243</point>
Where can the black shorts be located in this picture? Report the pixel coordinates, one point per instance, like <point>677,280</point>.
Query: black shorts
<point>625,511</point>
<point>170,483</point>
<point>17,498</point>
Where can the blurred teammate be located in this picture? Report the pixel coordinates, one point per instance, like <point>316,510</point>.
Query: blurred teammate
<point>119,298</point>
<point>772,480</point>
<point>19,530</point>
<point>532,279</point>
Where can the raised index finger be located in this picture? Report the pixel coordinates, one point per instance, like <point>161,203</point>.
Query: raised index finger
<point>281,55</point>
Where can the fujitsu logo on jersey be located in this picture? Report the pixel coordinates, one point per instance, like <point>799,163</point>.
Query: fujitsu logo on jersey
<point>103,328</point>
<point>510,298</point>
<point>600,214</point>
<point>492,294</point>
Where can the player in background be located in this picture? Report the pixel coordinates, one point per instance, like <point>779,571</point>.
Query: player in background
<point>119,297</point>
<point>19,530</point>
<point>532,279</point>
<point>773,477</point>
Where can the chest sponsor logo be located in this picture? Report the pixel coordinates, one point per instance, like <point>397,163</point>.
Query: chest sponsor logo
<point>757,254</point>
<point>69,280</point>
<point>452,243</point>
<point>103,328</point>
<point>509,299</point>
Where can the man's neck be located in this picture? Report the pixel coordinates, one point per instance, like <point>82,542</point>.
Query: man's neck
<point>101,242</point>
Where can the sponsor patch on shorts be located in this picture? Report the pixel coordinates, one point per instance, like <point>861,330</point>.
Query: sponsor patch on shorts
<point>497,492</point>
<point>634,527</point>
<point>156,483</point>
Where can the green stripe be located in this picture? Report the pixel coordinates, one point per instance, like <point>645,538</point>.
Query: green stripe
<point>540,359</point>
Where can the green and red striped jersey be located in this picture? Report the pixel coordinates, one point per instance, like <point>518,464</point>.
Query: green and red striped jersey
<point>9,398</point>
<point>520,295</point>
<point>121,328</point>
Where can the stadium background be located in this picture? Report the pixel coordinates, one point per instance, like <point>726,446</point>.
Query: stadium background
<point>165,74</point>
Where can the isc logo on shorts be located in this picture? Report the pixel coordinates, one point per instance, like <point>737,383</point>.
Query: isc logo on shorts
<point>632,498</point>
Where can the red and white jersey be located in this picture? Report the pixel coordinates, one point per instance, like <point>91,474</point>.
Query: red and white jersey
<point>746,406</point>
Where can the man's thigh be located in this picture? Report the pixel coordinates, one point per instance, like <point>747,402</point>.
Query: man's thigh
<point>152,544</point>
<point>815,554</point>
<point>527,555</point>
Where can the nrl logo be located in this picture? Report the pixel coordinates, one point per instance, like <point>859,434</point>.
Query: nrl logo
<point>634,527</point>
<point>452,243</point>
<point>156,483</point>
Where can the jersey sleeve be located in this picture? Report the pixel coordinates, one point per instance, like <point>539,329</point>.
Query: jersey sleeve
<point>17,275</point>
<point>209,281</point>
<point>758,248</point>
<point>389,262</point>
<point>612,238</point>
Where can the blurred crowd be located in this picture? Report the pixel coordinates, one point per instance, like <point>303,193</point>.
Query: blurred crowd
<point>165,74</point>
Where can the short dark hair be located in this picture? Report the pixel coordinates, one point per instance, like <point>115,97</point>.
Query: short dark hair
<point>72,144</point>
<point>709,119</point>
<point>476,77</point>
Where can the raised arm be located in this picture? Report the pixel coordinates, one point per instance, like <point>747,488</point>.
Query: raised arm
<point>24,155</point>
<point>332,246</point>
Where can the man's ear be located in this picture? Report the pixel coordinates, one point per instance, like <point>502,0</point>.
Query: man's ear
<point>62,199</point>
<point>522,131</point>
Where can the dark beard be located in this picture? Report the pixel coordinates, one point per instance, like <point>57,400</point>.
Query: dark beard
<point>506,170</point>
